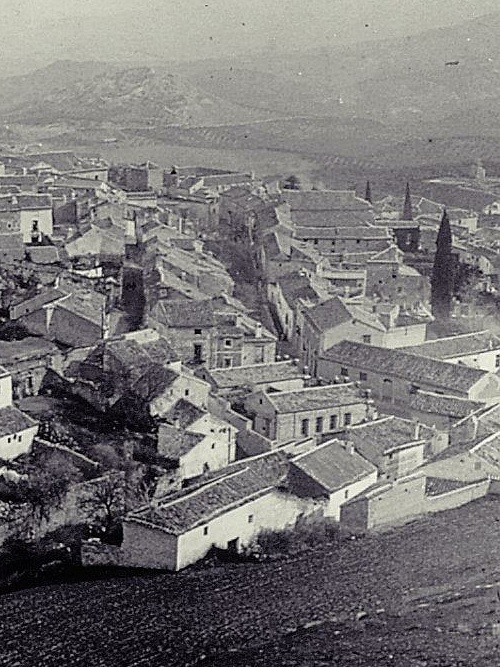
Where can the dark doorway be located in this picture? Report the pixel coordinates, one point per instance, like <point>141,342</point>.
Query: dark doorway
<point>197,353</point>
<point>233,545</point>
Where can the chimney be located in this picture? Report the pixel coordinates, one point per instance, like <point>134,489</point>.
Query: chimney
<point>177,423</point>
<point>416,430</point>
<point>258,330</point>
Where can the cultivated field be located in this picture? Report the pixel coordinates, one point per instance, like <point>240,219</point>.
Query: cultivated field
<point>430,592</point>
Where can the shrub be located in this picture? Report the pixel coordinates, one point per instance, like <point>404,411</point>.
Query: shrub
<point>303,537</point>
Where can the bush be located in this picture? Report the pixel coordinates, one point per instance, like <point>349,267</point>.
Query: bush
<point>303,537</point>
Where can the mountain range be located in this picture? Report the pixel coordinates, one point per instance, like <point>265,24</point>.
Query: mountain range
<point>365,99</point>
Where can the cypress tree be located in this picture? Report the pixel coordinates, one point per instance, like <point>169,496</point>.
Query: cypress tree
<point>442,272</point>
<point>407,209</point>
<point>368,192</point>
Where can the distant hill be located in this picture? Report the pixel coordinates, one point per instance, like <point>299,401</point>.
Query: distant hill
<point>109,93</point>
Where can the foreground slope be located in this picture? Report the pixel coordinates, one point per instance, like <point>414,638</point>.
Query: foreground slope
<point>427,588</point>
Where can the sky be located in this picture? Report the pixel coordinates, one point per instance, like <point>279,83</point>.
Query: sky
<point>189,29</point>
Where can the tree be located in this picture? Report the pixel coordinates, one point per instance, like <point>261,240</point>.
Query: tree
<point>106,500</point>
<point>368,192</point>
<point>407,208</point>
<point>442,280</point>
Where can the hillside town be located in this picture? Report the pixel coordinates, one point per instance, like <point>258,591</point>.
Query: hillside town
<point>193,357</point>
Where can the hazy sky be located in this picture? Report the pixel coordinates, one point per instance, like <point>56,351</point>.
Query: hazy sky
<point>202,28</point>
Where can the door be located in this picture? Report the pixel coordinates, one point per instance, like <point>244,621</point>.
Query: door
<point>233,545</point>
<point>387,393</point>
<point>197,353</point>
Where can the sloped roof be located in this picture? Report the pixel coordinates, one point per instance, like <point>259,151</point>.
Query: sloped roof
<point>239,376</point>
<point>332,218</point>
<point>328,314</point>
<point>43,254</point>
<point>185,412</point>
<point>436,486</point>
<point>390,254</point>
<point>178,513</point>
<point>333,465</point>
<point>408,366</point>
<point>325,200</point>
<point>315,398</point>
<point>176,442</point>
<point>296,286</point>
<point>185,314</point>
<point>457,346</point>
<point>373,439</point>
<point>439,404</point>
<point>13,352</point>
<point>361,233</point>
<point>13,421</point>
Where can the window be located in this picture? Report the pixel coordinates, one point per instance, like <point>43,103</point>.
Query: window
<point>315,241</point>
<point>227,362</point>
<point>186,392</point>
<point>250,518</point>
<point>346,494</point>
<point>205,530</point>
<point>344,372</point>
<point>34,225</point>
<point>363,376</point>
<point>367,339</point>
<point>497,361</point>
<point>197,332</point>
<point>319,424</point>
<point>305,427</point>
<point>347,419</point>
<point>333,422</point>
<point>213,445</point>
<point>228,342</point>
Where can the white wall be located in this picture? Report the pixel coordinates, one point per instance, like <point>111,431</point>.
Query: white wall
<point>44,217</point>
<point>12,446</point>
<point>338,498</point>
<point>5,391</point>
<point>273,511</point>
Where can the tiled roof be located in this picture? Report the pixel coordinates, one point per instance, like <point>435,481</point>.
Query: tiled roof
<point>189,509</point>
<point>176,442</point>
<point>459,345</point>
<point>12,352</point>
<point>325,200</point>
<point>160,351</point>
<point>13,421</point>
<point>373,439</point>
<point>25,201</point>
<point>364,316</point>
<point>239,376</point>
<point>408,366</point>
<point>489,450</point>
<point>332,218</point>
<point>360,233</point>
<point>296,286</point>
<point>185,314</point>
<point>436,486</point>
<point>276,243</point>
<point>390,254</point>
<point>333,465</point>
<point>47,296</point>
<point>328,314</point>
<point>88,305</point>
<point>439,404</point>
<point>43,254</point>
<point>185,412</point>
<point>315,398</point>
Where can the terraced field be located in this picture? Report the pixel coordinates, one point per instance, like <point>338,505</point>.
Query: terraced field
<point>426,594</point>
